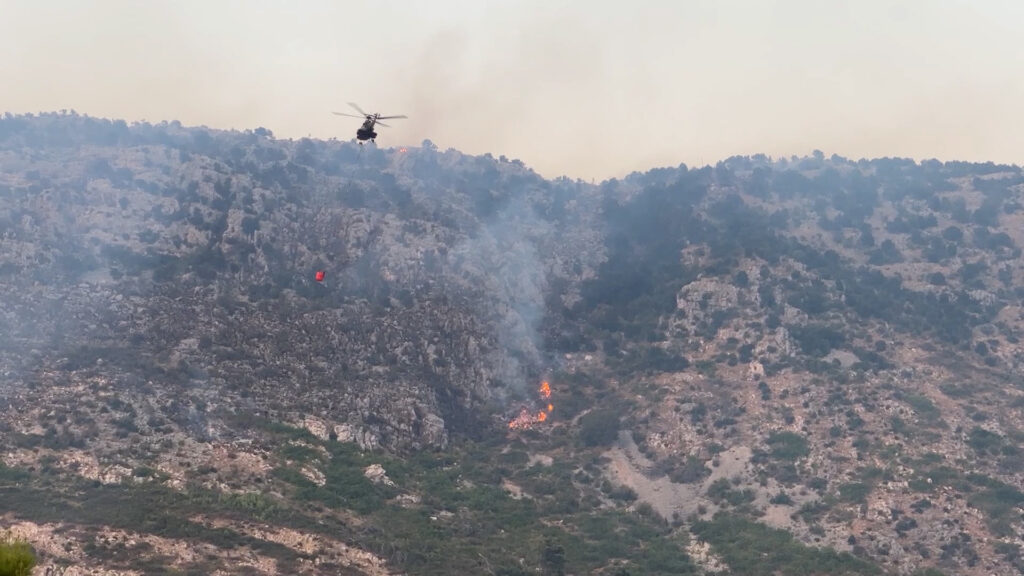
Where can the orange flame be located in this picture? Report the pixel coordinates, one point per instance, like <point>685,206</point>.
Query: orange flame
<point>521,422</point>
<point>527,419</point>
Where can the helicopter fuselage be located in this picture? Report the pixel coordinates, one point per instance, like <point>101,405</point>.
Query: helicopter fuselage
<point>370,121</point>
<point>366,131</point>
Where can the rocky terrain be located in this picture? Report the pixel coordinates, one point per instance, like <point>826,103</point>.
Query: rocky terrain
<point>803,365</point>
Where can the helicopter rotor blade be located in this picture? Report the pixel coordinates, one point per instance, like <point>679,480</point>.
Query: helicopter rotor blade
<point>344,114</point>
<point>379,123</point>
<point>358,109</point>
<point>391,117</point>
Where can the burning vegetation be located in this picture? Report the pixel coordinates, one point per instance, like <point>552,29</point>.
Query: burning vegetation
<point>527,417</point>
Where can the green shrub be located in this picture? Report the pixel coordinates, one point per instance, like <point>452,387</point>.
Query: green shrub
<point>984,442</point>
<point>690,470</point>
<point>599,428</point>
<point>788,446</point>
<point>854,492</point>
<point>16,557</point>
<point>757,550</point>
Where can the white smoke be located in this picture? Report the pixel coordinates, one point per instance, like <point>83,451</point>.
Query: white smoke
<point>501,260</point>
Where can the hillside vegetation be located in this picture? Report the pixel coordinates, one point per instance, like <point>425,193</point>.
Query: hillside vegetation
<point>800,366</point>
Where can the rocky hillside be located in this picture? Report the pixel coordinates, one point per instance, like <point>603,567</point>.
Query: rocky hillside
<point>763,366</point>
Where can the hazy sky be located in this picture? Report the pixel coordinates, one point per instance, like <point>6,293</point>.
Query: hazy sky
<point>588,89</point>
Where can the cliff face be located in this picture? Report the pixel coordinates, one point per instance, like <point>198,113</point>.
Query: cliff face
<point>827,347</point>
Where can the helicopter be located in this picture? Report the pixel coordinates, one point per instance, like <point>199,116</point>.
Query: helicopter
<point>366,131</point>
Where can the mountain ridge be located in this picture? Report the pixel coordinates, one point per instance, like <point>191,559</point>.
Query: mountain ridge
<point>816,344</point>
